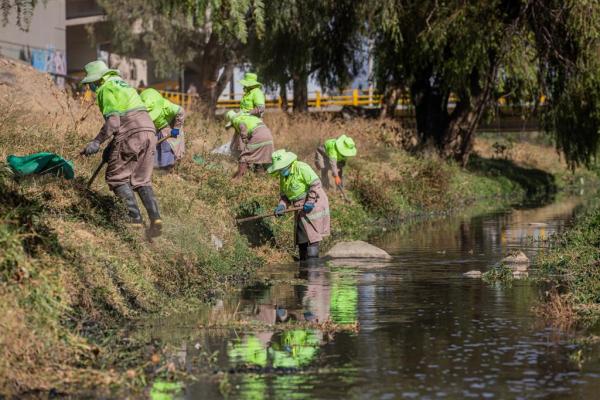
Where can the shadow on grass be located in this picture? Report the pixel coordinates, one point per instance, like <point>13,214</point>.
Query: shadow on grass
<point>535,182</point>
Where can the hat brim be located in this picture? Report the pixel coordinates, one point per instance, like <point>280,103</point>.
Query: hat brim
<point>96,77</point>
<point>228,125</point>
<point>246,83</point>
<point>346,152</point>
<point>281,165</point>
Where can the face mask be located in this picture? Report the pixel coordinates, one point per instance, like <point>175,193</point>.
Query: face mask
<point>285,172</point>
<point>93,87</point>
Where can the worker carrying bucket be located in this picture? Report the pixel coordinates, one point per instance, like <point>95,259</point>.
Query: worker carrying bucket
<point>252,143</point>
<point>300,186</point>
<point>253,100</point>
<point>130,154</point>
<point>168,120</point>
<point>332,157</point>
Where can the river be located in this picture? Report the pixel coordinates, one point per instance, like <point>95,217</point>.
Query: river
<point>423,330</point>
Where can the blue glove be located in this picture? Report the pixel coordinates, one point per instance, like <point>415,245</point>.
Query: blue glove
<point>92,148</point>
<point>174,132</point>
<point>279,210</point>
<point>308,206</point>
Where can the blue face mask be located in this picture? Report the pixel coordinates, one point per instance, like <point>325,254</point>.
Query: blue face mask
<point>285,172</point>
<point>93,87</point>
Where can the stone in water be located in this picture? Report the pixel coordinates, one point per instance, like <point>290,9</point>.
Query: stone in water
<point>357,249</point>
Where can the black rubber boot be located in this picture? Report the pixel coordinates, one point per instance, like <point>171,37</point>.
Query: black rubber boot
<point>126,194</point>
<point>147,195</point>
<point>313,250</point>
<point>303,251</point>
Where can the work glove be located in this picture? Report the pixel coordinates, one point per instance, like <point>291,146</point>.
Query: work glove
<point>308,206</point>
<point>279,210</point>
<point>91,148</point>
<point>174,132</point>
<point>338,181</point>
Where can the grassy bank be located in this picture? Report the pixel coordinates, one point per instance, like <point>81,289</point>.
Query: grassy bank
<point>570,269</point>
<point>71,271</point>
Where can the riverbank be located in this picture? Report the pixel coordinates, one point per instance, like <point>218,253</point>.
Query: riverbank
<point>71,270</point>
<point>570,269</point>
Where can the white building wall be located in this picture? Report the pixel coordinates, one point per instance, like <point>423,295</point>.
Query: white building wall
<point>44,44</point>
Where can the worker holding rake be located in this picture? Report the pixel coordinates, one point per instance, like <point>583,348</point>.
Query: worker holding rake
<point>130,154</point>
<point>300,186</point>
<point>332,157</point>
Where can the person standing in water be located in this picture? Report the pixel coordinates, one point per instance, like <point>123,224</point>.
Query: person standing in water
<point>168,119</point>
<point>332,157</point>
<point>130,154</point>
<point>300,186</point>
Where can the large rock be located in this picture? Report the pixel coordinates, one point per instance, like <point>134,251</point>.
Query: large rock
<point>517,261</point>
<point>357,249</point>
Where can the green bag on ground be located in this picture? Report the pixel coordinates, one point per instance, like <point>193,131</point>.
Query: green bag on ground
<point>40,164</point>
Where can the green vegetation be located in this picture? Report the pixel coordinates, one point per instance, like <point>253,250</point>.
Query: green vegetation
<point>570,267</point>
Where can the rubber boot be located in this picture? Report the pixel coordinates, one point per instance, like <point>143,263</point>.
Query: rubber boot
<point>313,250</point>
<point>147,195</point>
<point>303,251</point>
<point>242,168</point>
<point>125,193</point>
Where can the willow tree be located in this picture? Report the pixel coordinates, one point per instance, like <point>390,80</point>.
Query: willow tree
<point>205,36</point>
<point>472,49</point>
<point>22,10</point>
<point>306,38</point>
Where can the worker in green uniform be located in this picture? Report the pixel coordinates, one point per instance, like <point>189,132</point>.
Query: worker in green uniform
<point>253,100</point>
<point>252,143</point>
<point>332,157</point>
<point>300,186</point>
<point>130,154</point>
<point>168,118</point>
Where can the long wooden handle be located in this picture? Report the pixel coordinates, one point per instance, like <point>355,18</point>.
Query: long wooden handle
<point>346,198</point>
<point>163,139</point>
<point>95,174</point>
<point>272,214</point>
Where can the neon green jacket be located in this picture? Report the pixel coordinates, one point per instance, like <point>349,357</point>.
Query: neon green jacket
<point>161,110</point>
<point>332,151</point>
<point>251,99</point>
<point>296,185</point>
<point>116,97</point>
<point>250,121</point>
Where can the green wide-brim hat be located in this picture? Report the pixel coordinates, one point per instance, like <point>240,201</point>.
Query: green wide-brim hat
<point>95,70</point>
<point>250,79</point>
<point>153,101</point>
<point>345,145</point>
<point>281,159</point>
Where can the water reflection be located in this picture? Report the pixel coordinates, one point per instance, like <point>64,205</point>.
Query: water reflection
<point>425,331</point>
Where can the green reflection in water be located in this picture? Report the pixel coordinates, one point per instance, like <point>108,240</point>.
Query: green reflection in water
<point>162,390</point>
<point>344,296</point>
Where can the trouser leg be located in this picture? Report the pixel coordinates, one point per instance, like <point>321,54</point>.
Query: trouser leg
<point>149,200</point>
<point>242,168</point>
<point>126,194</point>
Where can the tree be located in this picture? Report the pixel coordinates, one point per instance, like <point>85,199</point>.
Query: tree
<point>23,10</point>
<point>205,36</point>
<point>304,37</point>
<point>470,49</point>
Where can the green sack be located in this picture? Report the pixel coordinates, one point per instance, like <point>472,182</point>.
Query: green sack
<point>41,163</point>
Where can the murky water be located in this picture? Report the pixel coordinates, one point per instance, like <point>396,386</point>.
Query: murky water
<point>424,330</point>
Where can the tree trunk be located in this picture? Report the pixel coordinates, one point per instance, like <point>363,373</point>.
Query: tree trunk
<point>300,87</point>
<point>464,120</point>
<point>390,102</point>
<point>283,96</point>
<point>210,72</point>
<point>431,111</point>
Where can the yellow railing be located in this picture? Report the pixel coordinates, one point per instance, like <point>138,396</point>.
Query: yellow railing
<point>316,99</point>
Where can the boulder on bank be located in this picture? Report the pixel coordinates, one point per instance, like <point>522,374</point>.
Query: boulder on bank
<point>357,249</point>
<point>517,261</point>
